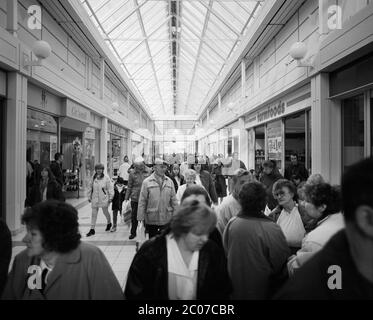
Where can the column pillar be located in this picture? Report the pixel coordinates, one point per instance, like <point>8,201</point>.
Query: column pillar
<point>326,131</point>
<point>12,17</point>
<point>129,146</point>
<point>244,142</point>
<point>102,78</point>
<point>243,79</point>
<point>15,146</point>
<point>103,143</point>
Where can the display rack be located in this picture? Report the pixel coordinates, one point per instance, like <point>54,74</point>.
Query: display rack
<point>71,181</point>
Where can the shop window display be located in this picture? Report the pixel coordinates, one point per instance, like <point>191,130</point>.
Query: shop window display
<point>295,138</point>
<point>41,137</point>
<point>274,142</point>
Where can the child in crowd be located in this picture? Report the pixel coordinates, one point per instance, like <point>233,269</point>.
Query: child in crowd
<point>119,194</point>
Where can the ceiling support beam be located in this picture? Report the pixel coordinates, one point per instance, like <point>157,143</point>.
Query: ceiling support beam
<point>141,22</point>
<point>207,17</point>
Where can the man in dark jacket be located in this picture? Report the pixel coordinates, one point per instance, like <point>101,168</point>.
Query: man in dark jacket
<point>343,269</point>
<point>296,169</point>
<point>136,177</point>
<point>56,167</point>
<point>268,178</point>
<point>5,253</point>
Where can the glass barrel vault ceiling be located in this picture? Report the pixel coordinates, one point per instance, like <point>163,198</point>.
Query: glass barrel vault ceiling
<point>173,51</point>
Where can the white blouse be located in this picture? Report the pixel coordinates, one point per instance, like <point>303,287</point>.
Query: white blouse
<point>292,227</point>
<point>182,279</point>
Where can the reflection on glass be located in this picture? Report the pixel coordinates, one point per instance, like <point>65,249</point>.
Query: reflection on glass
<point>295,138</point>
<point>353,130</point>
<point>274,142</point>
<point>259,148</point>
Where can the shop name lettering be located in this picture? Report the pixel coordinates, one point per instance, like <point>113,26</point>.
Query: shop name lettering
<point>79,114</point>
<point>271,112</point>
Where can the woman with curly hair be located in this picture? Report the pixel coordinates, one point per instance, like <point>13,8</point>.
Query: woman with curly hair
<point>56,265</point>
<point>323,203</point>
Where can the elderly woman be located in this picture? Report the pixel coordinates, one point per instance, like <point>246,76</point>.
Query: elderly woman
<point>56,265</point>
<point>182,263</point>
<point>190,180</point>
<point>47,188</point>
<point>323,203</point>
<point>289,218</point>
<point>256,247</point>
<point>100,194</point>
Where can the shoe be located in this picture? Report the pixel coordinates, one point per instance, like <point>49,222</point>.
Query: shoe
<point>113,229</point>
<point>91,233</point>
<point>108,227</point>
<point>132,236</point>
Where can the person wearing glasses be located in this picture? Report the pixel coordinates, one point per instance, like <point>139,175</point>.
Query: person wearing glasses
<point>288,218</point>
<point>323,204</point>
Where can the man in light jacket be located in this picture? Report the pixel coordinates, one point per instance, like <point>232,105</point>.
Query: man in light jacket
<point>157,201</point>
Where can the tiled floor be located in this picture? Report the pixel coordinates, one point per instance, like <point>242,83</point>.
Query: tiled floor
<point>115,245</point>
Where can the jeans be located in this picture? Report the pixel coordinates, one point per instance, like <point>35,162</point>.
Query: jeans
<point>105,210</point>
<point>115,215</point>
<point>134,206</point>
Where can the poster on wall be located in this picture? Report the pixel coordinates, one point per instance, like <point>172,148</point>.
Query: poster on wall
<point>274,142</point>
<point>53,146</point>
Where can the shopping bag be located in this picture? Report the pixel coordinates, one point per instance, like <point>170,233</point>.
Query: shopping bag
<point>142,236</point>
<point>126,215</point>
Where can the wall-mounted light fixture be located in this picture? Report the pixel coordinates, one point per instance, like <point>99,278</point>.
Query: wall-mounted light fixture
<point>231,108</point>
<point>41,50</point>
<point>298,52</point>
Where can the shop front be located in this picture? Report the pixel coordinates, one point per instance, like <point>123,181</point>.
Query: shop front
<point>117,148</point>
<point>74,121</point>
<point>280,129</point>
<point>137,145</point>
<point>43,113</point>
<point>351,88</point>
<point>91,148</point>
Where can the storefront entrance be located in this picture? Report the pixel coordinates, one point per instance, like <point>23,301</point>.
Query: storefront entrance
<point>357,128</point>
<point>298,138</point>
<point>72,150</point>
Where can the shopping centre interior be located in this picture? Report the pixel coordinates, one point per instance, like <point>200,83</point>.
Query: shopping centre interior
<point>97,80</point>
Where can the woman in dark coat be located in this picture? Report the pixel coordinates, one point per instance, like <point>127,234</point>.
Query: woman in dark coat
<point>182,263</point>
<point>47,188</point>
<point>219,180</point>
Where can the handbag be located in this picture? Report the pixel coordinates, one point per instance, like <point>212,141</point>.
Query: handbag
<point>142,235</point>
<point>126,215</point>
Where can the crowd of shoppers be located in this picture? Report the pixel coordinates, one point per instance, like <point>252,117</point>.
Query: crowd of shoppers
<point>235,250</point>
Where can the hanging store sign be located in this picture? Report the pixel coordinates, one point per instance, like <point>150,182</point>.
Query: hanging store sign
<point>114,129</point>
<point>75,111</point>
